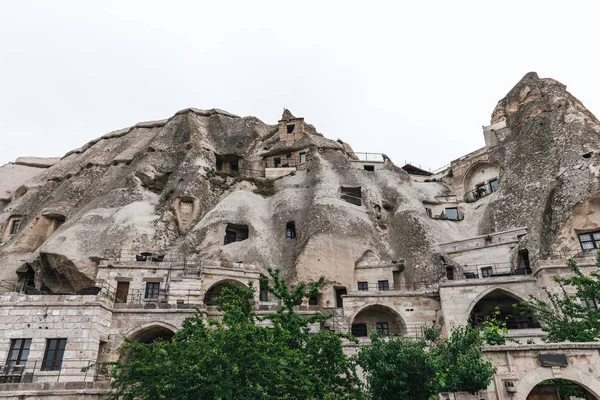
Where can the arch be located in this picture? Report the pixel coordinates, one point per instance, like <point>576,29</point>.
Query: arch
<point>215,289</point>
<point>498,297</point>
<point>533,378</point>
<point>378,317</point>
<point>469,183</point>
<point>152,331</point>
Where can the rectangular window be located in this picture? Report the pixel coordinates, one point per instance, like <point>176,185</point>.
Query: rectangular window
<point>494,185</point>
<point>290,230</point>
<point>19,351</point>
<point>53,356</point>
<point>370,168</point>
<point>313,301</point>
<point>264,293</point>
<point>382,328</point>
<point>291,128</point>
<point>14,227</point>
<point>429,213</point>
<point>450,273</point>
<point>363,286</point>
<point>452,213</point>
<point>589,241</point>
<point>589,303</point>
<point>152,289</point>
<point>383,285</point>
<point>359,330</point>
<point>486,272</point>
<point>302,158</point>
<point>277,162</point>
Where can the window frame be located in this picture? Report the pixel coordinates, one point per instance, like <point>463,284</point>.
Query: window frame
<point>290,131</point>
<point>359,330</point>
<point>383,328</point>
<point>491,183</point>
<point>452,208</point>
<point>588,303</point>
<point>313,300</point>
<point>363,286</point>
<point>23,347</point>
<point>15,226</point>
<point>152,291</point>
<point>57,352</point>
<point>383,285</point>
<point>300,156</point>
<point>595,242</point>
<point>487,272</point>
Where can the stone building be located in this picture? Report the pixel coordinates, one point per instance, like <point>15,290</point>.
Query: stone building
<point>124,237</point>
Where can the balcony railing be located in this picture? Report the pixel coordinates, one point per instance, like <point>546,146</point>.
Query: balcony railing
<point>488,271</point>
<point>408,330</point>
<point>32,371</point>
<point>480,192</point>
<point>284,163</point>
<point>374,157</point>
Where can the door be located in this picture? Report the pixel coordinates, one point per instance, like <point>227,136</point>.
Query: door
<point>122,291</point>
<point>339,301</point>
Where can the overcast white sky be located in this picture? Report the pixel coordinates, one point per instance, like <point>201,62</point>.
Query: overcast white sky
<point>415,80</point>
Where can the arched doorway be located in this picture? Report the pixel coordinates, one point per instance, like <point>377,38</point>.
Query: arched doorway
<point>377,318</point>
<point>147,334</point>
<point>505,302</point>
<point>152,333</point>
<point>215,290</point>
<point>559,389</point>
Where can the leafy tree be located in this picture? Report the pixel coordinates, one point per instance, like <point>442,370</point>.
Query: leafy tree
<point>563,316</point>
<point>493,329</point>
<point>243,356</point>
<point>403,368</point>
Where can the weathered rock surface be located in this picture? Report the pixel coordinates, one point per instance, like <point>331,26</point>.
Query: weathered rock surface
<point>128,190</point>
<point>549,162</point>
<point>119,191</point>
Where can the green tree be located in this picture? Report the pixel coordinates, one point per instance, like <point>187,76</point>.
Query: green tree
<point>243,356</point>
<point>571,313</point>
<point>403,368</point>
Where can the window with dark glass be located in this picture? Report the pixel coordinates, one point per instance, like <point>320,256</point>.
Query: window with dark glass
<point>589,241</point>
<point>19,351</point>
<point>383,285</point>
<point>494,185</point>
<point>290,230</point>
<point>264,293</point>
<point>53,356</point>
<point>589,303</point>
<point>290,128</point>
<point>486,272</point>
<point>382,328</point>
<point>313,301</point>
<point>452,213</point>
<point>363,286</point>
<point>152,289</point>
<point>302,158</point>
<point>359,330</point>
<point>277,162</point>
<point>450,273</point>
<point>14,227</point>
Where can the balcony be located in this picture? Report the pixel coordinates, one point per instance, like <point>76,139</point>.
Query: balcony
<point>481,191</point>
<point>484,271</point>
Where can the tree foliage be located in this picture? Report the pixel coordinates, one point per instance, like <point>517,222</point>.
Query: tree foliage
<point>562,315</point>
<point>402,368</point>
<point>244,356</point>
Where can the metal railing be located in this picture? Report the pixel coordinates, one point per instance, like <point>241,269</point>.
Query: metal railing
<point>444,216</point>
<point>283,163</point>
<point>481,192</point>
<point>378,287</point>
<point>32,371</point>
<point>408,330</point>
<point>495,270</point>
<point>361,156</point>
<point>574,251</point>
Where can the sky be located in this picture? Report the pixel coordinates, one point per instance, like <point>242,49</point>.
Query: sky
<point>414,80</point>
